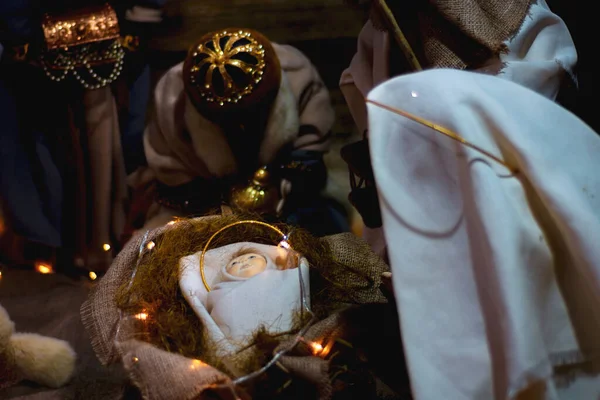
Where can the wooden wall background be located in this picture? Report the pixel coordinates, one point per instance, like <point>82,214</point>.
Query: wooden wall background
<point>279,20</point>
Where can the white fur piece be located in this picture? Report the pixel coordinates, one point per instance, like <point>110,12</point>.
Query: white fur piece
<point>44,360</point>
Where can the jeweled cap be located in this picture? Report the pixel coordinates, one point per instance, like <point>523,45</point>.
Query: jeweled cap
<point>230,71</point>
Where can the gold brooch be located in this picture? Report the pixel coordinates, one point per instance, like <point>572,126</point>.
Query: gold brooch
<point>229,53</point>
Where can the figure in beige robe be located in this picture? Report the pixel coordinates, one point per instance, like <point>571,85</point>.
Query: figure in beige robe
<point>184,145</point>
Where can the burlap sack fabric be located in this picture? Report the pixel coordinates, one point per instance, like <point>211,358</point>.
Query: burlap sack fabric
<point>162,375</point>
<point>361,263</point>
<point>460,33</point>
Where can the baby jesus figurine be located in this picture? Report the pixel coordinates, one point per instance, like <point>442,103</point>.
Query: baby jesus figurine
<point>246,287</point>
<point>245,265</point>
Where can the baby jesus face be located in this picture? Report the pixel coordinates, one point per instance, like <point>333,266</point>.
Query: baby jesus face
<point>247,265</point>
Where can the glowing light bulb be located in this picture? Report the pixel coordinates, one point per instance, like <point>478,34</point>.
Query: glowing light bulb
<point>142,316</point>
<point>106,247</point>
<point>150,245</point>
<point>43,268</point>
<point>316,348</point>
<point>196,364</point>
<point>93,275</point>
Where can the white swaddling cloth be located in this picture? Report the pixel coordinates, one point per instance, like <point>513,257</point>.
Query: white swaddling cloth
<point>236,307</point>
<point>496,275</point>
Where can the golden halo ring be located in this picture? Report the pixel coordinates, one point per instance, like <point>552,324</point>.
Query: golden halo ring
<point>273,228</point>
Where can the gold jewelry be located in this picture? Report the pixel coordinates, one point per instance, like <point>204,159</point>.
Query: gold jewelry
<point>221,58</point>
<point>86,57</point>
<point>130,42</point>
<point>80,40</point>
<point>91,25</point>
<point>258,196</point>
<point>274,228</point>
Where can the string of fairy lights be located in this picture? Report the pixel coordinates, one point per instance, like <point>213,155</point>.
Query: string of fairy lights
<point>319,348</point>
<point>45,267</point>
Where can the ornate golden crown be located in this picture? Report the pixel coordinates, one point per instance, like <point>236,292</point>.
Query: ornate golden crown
<point>89,25</point>
<point>227,67</point>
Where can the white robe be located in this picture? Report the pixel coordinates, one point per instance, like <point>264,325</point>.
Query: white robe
<point>538,57</point>
<point>496,275</point>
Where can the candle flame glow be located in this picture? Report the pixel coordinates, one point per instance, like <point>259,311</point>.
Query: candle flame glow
<point>43,268</point>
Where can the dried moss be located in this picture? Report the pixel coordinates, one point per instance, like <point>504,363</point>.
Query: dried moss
<point>172,325</point>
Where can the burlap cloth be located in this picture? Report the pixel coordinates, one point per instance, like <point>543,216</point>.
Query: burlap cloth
<point>162,375</point>
<point>457,33</point>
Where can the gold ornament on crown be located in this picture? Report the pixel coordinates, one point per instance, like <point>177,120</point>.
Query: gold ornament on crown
<point>80,27</point>
<point>79,41</point>
<point>219,58</point>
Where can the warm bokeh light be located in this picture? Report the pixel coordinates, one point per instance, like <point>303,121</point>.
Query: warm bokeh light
<point>106,246</point>
<point>150,245</point>
<point>142,316</point>
<point>43,268</point>
<point>197,364</point>
<point>316,348</point>
<point>170,222</point>
<point>93,275</point>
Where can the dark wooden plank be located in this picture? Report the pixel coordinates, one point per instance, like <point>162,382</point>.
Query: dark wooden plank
<point>280,21</point>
